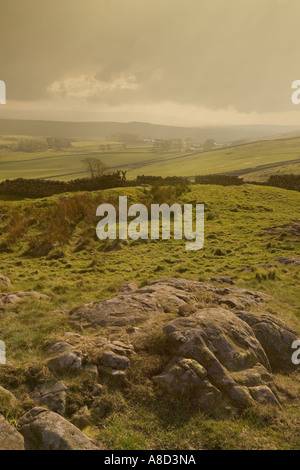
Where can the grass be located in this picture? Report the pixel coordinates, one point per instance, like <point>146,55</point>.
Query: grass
<point>67,163</point>
<point>77,268</point>
<point>263,175</point>
<point>226,160</point>
<point>184,430</point>
<point>141,159</point>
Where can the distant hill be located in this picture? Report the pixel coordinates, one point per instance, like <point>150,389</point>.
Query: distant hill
<point>94,130</point>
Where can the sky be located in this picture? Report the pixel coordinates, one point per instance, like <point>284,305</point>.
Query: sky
<point>178,62</point>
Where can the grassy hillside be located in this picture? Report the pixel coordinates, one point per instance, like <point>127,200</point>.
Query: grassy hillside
<point>263,174</point>
<point>247,229</point>
<point>236,219</point>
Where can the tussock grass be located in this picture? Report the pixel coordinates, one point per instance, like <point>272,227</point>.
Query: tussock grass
<point>76,268</point>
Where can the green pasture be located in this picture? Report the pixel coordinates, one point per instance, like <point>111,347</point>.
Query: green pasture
<point>140,159</point>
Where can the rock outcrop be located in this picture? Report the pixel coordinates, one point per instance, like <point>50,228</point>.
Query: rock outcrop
<point>7,298</point>
<point>222,354</point>
<point>97,356</point>
<point>275,336</point>
<point>52,394</point>
<point>45,430</point>
<point>133,307</point>
<point>220,345</point>
<point>218,362</point>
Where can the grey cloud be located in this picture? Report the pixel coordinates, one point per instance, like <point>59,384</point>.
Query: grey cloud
<point>214,54</point>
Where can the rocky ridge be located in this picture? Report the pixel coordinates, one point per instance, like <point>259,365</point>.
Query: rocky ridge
<point>223,350</point>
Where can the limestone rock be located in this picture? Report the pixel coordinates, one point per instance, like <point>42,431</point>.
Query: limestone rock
<point>186,377</point>
<point>64,357</point>
<point>115,361</point>
<point>52,394</point>
<point>45,430</point>
<point>221,354</point>
<point>88,353</point>
<point>13,297</point>
<point>275,337</point>
<point>10,438</point>
<point>164,296</point>
<point>218,361</point>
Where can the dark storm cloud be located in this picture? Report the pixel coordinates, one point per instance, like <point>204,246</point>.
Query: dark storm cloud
<point>210,53</point>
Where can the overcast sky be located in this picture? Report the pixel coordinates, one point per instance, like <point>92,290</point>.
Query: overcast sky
<point>189,62</point>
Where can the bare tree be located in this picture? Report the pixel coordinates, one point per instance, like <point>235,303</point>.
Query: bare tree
<point>95,166</point>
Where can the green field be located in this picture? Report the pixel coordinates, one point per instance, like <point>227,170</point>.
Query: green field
<point>240,242</point>
<point>227,160</point>
<point>263,175</point>
<point>140,159</point>
<point>67,164</point>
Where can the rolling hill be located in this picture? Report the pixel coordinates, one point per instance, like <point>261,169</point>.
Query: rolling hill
<point>254,160</point>
<point>100,130</point>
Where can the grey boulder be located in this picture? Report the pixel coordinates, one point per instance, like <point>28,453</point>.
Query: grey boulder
<point>45,430</point>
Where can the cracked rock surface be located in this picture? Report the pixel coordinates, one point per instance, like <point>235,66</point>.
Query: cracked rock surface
<point>223,347</point>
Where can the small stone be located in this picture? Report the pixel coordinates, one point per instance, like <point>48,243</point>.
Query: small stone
<point>51,394</point>
<point>65,357</point>
<point>115,361</point>
<point>113,376</point>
